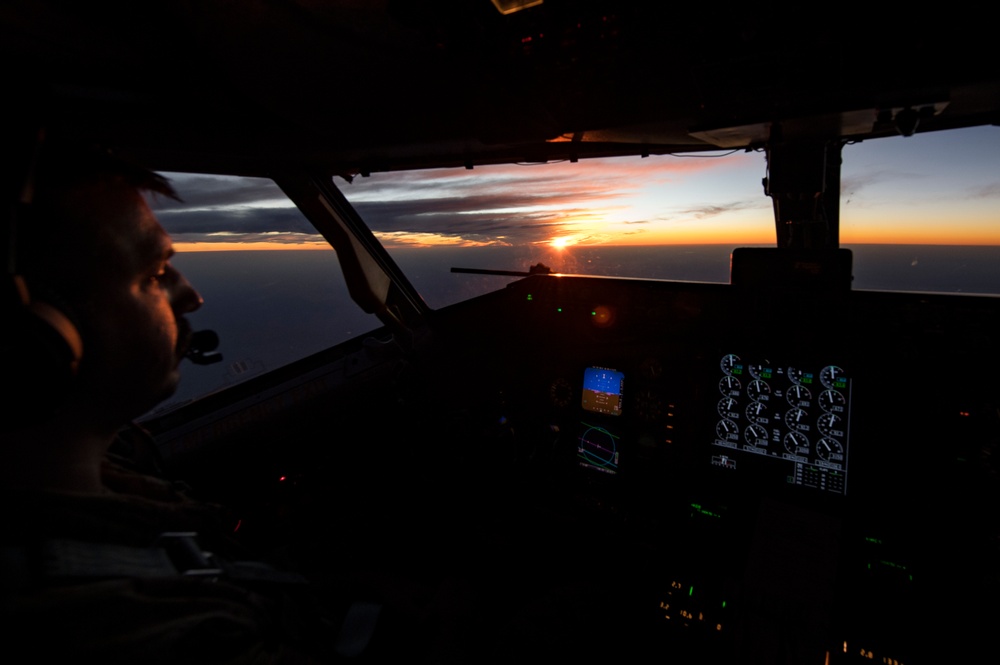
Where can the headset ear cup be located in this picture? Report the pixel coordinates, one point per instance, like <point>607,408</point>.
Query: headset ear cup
<point>67,339</point>
<point>42,347</point>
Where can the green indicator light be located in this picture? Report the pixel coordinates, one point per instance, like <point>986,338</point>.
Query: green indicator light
<point>723,604</point>
<point>593,313</point>
<point>738,370</point>
<point>529,297</point>
<point>690,591</point>
<point>806,379</point>
<point>558,309</point>
<point>696,506</point>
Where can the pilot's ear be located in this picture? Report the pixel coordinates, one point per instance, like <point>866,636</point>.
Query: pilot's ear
<point>40,348</point>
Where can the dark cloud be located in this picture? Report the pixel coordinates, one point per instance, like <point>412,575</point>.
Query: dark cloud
<point>231,209</point>
<point>206,191</point>
<point>481,208</point>
<point>503,205</point>
<point>850,186</point>
<point>480,217</point>
<point>290,239</point>
<point>243,220</point>
<point>706,211</point>
<point>990,191</point>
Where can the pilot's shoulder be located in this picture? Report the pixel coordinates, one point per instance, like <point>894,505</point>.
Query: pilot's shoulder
<point>125,576</point>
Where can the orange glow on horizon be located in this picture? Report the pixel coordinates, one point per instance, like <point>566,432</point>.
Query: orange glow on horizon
<point>956,235</point>
<point>721,237</point>
<point>181,246</point>
<point>561,242</point>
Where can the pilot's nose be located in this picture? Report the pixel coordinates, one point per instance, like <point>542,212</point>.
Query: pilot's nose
<point>186,299</point>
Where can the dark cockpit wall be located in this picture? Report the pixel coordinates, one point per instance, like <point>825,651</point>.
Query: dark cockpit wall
<point>351,90</point>
<point>463,430</point>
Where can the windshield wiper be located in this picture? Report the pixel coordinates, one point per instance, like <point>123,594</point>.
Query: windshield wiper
<point>537,269</point>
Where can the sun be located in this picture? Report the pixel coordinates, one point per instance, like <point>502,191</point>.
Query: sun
<point>560,243</point>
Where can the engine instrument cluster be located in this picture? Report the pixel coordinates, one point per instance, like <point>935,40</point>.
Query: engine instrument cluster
<point>794,415</point>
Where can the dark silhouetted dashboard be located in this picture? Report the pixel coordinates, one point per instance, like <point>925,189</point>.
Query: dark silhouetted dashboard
<point>766,475</point>
<point>768,468</point>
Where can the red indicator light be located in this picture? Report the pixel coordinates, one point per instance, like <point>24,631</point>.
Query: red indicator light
<point>602,316</point>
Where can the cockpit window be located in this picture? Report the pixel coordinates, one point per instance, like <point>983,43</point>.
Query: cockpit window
<point>658,217</point>
<point>921,213</point>
<point>272,285</point>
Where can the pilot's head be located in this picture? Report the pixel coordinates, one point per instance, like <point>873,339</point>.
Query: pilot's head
<point>89,245</point>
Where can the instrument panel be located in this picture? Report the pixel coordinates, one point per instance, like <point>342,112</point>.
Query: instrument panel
<point>693,422</point>
<point>732,477</point>
<point>785,413</point>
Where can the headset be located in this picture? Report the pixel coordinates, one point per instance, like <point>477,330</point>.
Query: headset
<point>40,342</point>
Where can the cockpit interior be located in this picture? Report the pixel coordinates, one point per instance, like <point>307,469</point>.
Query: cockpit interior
<point>783,468</point>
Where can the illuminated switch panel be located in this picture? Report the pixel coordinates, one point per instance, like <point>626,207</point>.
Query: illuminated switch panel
<point>686,606</point>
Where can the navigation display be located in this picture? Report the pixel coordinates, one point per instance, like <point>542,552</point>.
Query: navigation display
<point>597,448</point>
<point>795,415</point>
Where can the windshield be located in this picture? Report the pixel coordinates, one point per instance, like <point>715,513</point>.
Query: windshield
<point>919,213</point>
<point>663,217</point>
<point>272,286</point>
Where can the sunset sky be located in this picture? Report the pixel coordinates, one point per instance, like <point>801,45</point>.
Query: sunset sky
<point>935,188</point>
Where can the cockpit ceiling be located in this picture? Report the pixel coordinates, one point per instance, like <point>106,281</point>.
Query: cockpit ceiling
<point>385,85</point>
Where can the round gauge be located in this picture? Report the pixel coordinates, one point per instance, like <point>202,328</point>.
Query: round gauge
<point>759,390</point>
<point>760,371</point>
<point>728,385</point>
<point>727,430</point>
<point>756,435</point>
<point>648,405</point>
<point>560,392</point>
<point>728,408</point>
<point>757,412</point>
<point>831,424</point>
<point>729,363</point>
<point>796,443</point>
<point>794,374</point>
<point>796,419</point>
<point>832,401</point>
<point>830,450</point>
<point>651,368</point>
<point>797,394</point>
<point>832,376</point>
